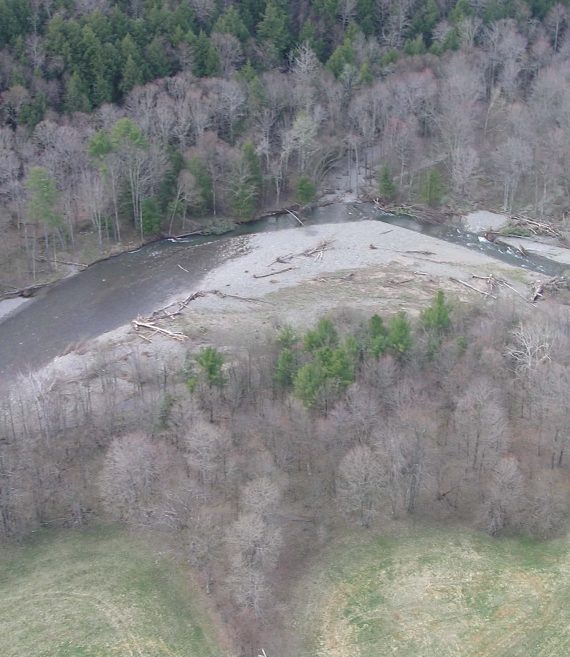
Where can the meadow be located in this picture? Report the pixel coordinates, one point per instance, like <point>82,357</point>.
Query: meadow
<point>442,593</point>
<point>97,593</point>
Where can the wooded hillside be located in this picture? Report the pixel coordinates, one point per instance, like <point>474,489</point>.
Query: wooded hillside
<point>131,118</point>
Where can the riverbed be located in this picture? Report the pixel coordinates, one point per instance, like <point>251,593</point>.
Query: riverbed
<point>112,293</point>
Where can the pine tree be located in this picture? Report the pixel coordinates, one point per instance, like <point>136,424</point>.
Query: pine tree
<point>230,22</point>
<point>42,199</point>
<point>285,368</point>
<point>432,189</point>
<point>131,75</point>
<point>76,98</point>
<point>211,362</point>
<point>273,30</point>
<point>386,185</point>
<point>400,334</point>
<point>436,318</point>
<point>324,335</point>
<point>205,59</point>
<point>305,191</point>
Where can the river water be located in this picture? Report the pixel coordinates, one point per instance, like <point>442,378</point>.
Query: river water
<point>113,292</point>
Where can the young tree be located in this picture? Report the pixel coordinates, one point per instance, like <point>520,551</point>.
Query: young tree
<point>306,190</point>
<point>42,199</point>
<point>431,188</point>
<point>386,185</point>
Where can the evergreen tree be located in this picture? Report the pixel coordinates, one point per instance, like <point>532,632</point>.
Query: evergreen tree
<point>150,217</point>
<point>157,58</point>
<point>205,62</point>
<point>436,318</point>
<point>386,185</point>
<point>211,362</point>
<point>400,335</point>
<point>42,199</point>
<point>285,368</point>
<point>204,184</point>
<point>76,95</point>
<point>305,190</point>
<point>308,383</point>
<point>131,75</point>
<point>273,30</point>
<point>324,335</point>
<point>246,183</point>
<point>230,22</point>
<point>378,336</point>
<point>432,190</point>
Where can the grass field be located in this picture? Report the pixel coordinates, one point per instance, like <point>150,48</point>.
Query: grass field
<point>443,593</point>
<point>96,593</point>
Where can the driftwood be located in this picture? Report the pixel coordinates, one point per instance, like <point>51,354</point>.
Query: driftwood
<point>316,251</point>
<point>25,292</point>
<point>493,283</point>
<point>471,287</point>
<point>140,323</point>
<point>274,273</point>
<point>295,216</point>
<point>554,284</point>
<point>534,227</point>
<point>62,262</point>
<point>174,309</point>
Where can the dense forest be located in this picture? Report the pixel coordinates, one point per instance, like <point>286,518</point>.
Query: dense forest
<point>124,119</point>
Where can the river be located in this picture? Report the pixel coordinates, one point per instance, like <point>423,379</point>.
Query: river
<point>113,292</point>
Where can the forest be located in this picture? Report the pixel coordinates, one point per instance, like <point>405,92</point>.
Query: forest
<point>124,120</point>
<point>249,457</point>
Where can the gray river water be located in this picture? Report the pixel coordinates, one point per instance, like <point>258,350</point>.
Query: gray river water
<point>113,292</point>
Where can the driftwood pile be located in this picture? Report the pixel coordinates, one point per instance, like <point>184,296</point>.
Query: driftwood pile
<point>421,214</point>
<point>551,286</point>
<point>316,252</point>
<point>539,289</point>
<point>173,310</point>
<point>534,227</point>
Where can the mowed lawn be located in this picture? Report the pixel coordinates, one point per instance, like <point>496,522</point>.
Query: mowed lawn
<point>442,593</point>
<point>97,593</point>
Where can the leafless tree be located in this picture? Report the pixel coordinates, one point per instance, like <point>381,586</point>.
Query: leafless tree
<point>361,481</point>
<point>129,477</point>
<point>504,501</point>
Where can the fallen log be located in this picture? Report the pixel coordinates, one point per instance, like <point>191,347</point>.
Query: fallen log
<point>274,273</point>
<point>140,323</point>
<point>471,287</point>
<point>316,251</point>
<point>62,262</point>
<point>25,292</point>
<point>295,217</point>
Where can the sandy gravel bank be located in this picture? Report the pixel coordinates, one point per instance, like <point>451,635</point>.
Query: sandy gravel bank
<point>352,246</point>
<point>368,267</point>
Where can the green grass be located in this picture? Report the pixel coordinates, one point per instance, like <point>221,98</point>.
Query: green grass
<point>97,593</point>
<point>444,593</point>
